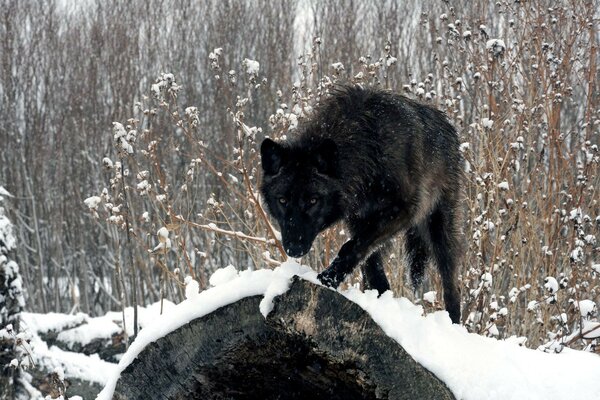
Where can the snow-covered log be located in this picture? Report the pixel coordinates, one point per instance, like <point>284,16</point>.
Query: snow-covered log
<point>315,343</point>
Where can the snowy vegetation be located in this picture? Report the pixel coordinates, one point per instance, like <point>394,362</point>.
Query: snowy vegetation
<point>132,134</point>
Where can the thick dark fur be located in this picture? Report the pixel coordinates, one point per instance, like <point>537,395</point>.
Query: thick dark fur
<point>382,163</point>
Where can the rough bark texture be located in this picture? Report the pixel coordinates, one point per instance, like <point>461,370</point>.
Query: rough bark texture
<point>315,344</point>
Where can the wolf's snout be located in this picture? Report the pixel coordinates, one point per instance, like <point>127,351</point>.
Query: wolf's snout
<point>296,250</point>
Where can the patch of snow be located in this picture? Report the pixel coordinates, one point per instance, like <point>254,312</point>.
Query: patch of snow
<point>533,305</point>
<point>107,162</point>
<point>44,323</point>
<point>92,202</point>
<point>223,275</point>
<point>487,123</point>
<point>503,185</point>
<point>430,297</point>
<point>74,365</point>
<point>551,284</point>
<point>4,193</point>
<point>338,67</point>
<point>495,46</point>
<point>95,328</point>
<point>192,289</point>
<point>163,234</point>
<point>252,66</point>
<point>164,244</point>
<point>60,372</point>
<point>587,308</point>
<point>591,329</point>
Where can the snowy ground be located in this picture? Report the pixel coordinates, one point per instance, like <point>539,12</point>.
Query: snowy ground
<point>472,366</point>
<point>76,331</point>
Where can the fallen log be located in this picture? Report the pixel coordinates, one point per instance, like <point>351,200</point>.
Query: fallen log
<point>314,344</point>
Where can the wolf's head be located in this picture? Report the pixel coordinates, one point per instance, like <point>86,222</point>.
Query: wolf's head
<point>301,190</point>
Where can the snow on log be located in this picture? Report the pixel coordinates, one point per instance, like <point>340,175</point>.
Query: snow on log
<point>315,343</point>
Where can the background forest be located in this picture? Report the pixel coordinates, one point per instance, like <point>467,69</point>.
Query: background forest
<point>130,129</point>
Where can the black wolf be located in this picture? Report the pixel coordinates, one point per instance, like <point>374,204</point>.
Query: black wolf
<point>384,164</point>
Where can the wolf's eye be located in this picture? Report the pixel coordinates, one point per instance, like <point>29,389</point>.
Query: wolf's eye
<point>313,201</point>
<point>283,200</point>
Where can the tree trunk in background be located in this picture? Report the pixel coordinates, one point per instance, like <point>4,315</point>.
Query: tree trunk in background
<point>314,344</point>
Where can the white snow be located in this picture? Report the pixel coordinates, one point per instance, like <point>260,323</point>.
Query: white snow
<point>223,275</point>
<point>144,186</point>
<point>164,244</point>
<point>503,185</point>
<point>6,231</point>
<point>4,193</point>
<point>252,66</point>
<point>338,67</point>
<point>591,329</point>
<point>430,297</point>
<point>487,123</point>
<point>163,234</point>
<point>95,328</point>
<point>83,330</point>
<point>60,372</point>
<point>214,55</point>
<point>121,136</point>
<point>533,305</point>
<point>587,308</point>
<point>93,202</point>
<point>192,289</point>
<point>551,284</point>
<point>75,365</point>
<point>495,46</point>
<point>472,366</point>
<point>107,162</point>
<point>44,323</point>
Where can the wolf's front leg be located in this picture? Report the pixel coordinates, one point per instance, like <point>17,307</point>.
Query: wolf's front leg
<point>345,262</point>
<point>367,237</point>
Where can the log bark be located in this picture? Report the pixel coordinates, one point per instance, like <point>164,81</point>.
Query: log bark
<point>314,344</point>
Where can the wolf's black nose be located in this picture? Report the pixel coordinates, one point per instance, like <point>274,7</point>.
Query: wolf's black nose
<point>296,250</point>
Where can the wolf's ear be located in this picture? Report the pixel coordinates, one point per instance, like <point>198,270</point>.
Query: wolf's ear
<point>326,157</point>
<point>271,154</point>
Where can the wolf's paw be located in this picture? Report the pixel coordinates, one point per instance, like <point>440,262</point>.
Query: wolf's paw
<point>329,278</point>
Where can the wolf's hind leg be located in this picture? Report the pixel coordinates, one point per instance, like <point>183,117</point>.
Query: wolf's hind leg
<point>446,249</point>
<point>374,274</point>
<point>417,254</point>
